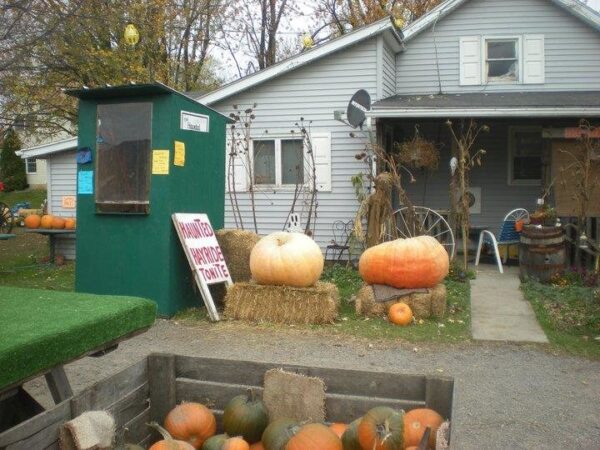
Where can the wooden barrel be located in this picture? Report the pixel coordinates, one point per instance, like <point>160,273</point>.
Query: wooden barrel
<point>542,252</point>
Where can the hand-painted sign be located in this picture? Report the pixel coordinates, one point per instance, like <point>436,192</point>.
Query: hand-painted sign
<point>194,122</point>
<point>68,201</point>
<point>203,254</point>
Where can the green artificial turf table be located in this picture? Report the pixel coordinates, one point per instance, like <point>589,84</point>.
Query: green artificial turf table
<point>42,329</point>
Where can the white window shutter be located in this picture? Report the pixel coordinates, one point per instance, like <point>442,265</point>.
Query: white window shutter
<point>239,171</point>
<point>321,143</point>
<point>470,60</point>
<point>533,59</point>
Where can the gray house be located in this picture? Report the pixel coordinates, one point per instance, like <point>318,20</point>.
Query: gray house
<point>529,69</point>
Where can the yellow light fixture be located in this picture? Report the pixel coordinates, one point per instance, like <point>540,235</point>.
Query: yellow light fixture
<point>307,41</point>
<point>131,35</point>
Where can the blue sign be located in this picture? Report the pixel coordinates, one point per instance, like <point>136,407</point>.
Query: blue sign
<point>85,182</point>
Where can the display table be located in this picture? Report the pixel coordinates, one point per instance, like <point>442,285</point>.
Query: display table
<point>41,330</point>
<point>52,234</point>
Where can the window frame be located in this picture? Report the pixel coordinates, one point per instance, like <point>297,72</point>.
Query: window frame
<point>278,162</point>
<point>518,39</point>
<point>27,162</point>
<point>512,130</point>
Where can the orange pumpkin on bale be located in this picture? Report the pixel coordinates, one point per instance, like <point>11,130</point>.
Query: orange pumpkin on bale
<point>46,221</point>
<point>33,221</point>
<point>419,262</point>
<point>191,422</point>
<point>416,422</point>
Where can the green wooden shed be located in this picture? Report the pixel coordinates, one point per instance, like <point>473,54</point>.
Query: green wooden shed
<point>145,151</point>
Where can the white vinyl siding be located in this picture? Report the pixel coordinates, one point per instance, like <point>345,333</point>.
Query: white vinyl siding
<point>313,92</point>
<point>571,48</point>
<point>388,70</point>
<point>62,181</point>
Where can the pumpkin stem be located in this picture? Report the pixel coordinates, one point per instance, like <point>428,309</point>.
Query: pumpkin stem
<point>164,433</point>
<point>251,395</point>
<point>383,431</point>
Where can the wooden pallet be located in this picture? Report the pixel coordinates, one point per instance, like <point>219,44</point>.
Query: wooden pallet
<point>149,389</point>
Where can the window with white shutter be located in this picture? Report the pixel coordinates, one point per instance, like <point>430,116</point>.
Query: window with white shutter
<point>470,60</point>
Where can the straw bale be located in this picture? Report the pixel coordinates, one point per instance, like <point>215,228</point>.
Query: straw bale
<point>236,246</point>
<point>282,304</point>
<point>423,305</point>
<point>294,396</point>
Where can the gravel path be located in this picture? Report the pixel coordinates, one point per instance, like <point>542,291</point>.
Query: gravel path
<point>507,396</point>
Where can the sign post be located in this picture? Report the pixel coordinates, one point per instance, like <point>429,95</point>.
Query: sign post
<point>203,254</point>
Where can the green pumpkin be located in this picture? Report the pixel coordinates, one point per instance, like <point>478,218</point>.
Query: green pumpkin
<point>246,416</point>
<point>350,436</point>
<point>215,442</point>
<point>278,433</point>
<point>382,426</point>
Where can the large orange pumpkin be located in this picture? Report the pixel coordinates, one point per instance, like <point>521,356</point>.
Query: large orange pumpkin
<point>46,221</point>
<point>381,429</point>
<point>288,259</point>
<point>33,221</point>
<point>314,436</point>
<point>58,223</point>
<point>191,422</point>
<point>416,422</point>
<point>400,314</point>
<point>419,262</point>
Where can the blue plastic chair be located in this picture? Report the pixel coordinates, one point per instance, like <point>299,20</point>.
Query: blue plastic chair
<point>507,236</point>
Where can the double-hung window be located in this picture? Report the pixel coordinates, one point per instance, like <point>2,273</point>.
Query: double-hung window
<point>525,155</point>
<point>31,165</point>
<point>502,60</point>
<point>278,162</point>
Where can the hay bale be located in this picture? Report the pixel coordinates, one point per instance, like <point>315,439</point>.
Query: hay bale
<point>423,305</point>
<point>282,304</point>
<point>236,246</point>
<point>294,396</point>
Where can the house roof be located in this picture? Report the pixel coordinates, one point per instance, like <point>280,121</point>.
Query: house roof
<point>385,25</point>
<point>44,150</point>
<point>575,7</point>
<point>486,104</point>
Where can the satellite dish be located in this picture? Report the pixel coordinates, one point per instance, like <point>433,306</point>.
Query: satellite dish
<point>359,104</point>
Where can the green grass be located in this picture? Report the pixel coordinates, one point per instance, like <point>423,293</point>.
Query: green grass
<point>570,316</point>
<point>23,260</point>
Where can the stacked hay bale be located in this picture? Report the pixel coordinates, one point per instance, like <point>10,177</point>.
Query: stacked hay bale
<point>236,246</point>
<point>285,289</point>
<point>409,271</point>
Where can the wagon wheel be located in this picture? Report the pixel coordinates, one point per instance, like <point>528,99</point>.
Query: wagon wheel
<point>517,214</point>
<point>427,222</point>
<point>6,219</point>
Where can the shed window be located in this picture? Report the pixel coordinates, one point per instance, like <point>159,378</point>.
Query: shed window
<point>278,162</point>
<point>31,165</point>
<point>123,142</point>
<point>526,147</point>
<point>502,60</point>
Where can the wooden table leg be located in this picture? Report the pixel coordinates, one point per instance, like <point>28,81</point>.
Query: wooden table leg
<point>59,385</point>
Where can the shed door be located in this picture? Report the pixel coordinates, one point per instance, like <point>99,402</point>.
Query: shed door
<point>565,175</point>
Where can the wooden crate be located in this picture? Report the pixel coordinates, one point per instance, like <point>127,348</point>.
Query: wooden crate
<point>147,390</point>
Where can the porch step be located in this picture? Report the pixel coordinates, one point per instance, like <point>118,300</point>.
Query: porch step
<point>498,310</point>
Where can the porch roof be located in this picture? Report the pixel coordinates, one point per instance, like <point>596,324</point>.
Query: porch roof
<point>490,104</point>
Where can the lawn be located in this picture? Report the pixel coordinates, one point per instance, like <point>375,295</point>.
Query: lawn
<point>570,316</point>
<point>455,327</point>
<point>24,259</point>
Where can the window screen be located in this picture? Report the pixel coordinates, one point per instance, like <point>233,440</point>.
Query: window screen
<point>264,162</point>
<point>123,142</point>
<point>292,161</point>
<point>502,60</point>
<point>527,155</point>
<point>31,165</point>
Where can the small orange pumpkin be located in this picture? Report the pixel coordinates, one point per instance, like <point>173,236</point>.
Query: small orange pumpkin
<point>33,221</point>
<point>70,223</point>
<point>58,223</point>
<point>400,314</point>
<point>168,443</point>
<point>338,428</point>
<point>419,262</point>
<point>191,422</point>
<point>416,422</point>
<point>235,443</point>
<point>46,221</point>
<point>314,436</point>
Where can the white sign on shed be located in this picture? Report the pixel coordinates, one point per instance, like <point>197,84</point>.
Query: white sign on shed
<point>203,254</point>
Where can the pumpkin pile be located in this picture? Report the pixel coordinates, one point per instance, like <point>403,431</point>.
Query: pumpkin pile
<point>48,222</point>
<point>246,427</point>
<point>413,263</point>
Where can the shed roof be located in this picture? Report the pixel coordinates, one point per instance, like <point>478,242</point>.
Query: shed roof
<point>480,104</point>
<point>50,148</point>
